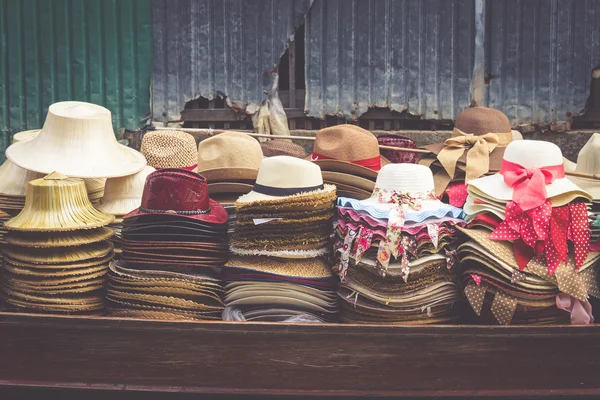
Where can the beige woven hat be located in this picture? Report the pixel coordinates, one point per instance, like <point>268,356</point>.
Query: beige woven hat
<point>13,179</point>
<point>77,140</point>
<point>588,161</point>
<point>25,135</point>
<point>56,203</point>
<point>124,194</point>
<point>229,157</point>
<point>170,149</point>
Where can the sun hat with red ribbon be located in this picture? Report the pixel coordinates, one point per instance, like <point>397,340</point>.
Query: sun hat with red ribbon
<point>531,172</point>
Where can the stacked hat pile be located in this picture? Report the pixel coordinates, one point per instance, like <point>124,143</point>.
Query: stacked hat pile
<point>475,149</point>
<point>229,162</point>
<point>121,196</point>
<point>528,256</point>
<point>349,158</point>
<point>57,252</point>
<point>172,245</point>
<point>283,229</point>
<point>394,249</point>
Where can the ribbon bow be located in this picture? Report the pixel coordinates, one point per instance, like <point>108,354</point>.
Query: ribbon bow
<point>529,184</point>
<point>412,199</point>
<point>478,150</point>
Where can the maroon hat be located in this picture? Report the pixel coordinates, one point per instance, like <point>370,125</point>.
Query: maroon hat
<point>179,193</point>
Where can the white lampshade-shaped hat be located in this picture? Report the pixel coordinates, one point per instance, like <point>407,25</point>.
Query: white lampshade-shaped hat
<point>124,194</point>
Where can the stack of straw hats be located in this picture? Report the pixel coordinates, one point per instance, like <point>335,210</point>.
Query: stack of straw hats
<point>283,228</point>
<point>475,149</point>
<point>173,245</point>
<point>57,251</point>
<point>394,251</point>
<point>517,264</point>
<point>121,196</point>
<point>170,149</point>
<point>349,158</point>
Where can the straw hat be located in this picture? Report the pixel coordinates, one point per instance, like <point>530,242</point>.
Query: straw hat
<point>170,149</point>
<point>13,179</point>
<point>349,149</point>
<point>77,140</point>
<point>272,148</point>
<point>64,239</point>
<point>284,177</point>
<point>588,161</point>
<point>124,194</point>
<point>179,194</point>
<point>25,135</point>
<point>56,203</point>
<point>531,154</point>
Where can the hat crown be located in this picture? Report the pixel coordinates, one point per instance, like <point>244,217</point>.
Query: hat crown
<point>276,147</point>
<point>229,150</point>
<point>129,186</point>
<point>405,178</point>
<point>288,172</point>
<point>588,159</point>
<point>169,149</point>
<point>346,143</point>
<point>533,153</point>
<point>481,120</point>
<point>25,135</point>
<point>172,189</point>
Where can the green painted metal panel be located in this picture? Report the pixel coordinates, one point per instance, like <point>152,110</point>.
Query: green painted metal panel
<point>88,50</point>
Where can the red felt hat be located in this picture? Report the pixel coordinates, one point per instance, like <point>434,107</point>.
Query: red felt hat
<point>179,193</point>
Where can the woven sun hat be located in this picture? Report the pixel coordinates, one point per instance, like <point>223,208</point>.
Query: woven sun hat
<point>77,140</point>
<point>349,149</point>
<point>25,135</point>
<point>272,148</point>
<point>284,177</point>
<point>124,194</point>
<point>524,163</point>
<point>13,179</point>
<point>588,161</point>
<point>170,149</point>
<point>180,194</point>
<point>62,239</point>
<point>229,157</point>
<point>57,203</point>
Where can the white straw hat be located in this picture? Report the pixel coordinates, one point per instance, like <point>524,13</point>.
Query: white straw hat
<point>588,161</point>
<point>13,179</point>
<point>25,135</point>
<point>124,194</point>
<point>283,177</point>
<point>77,140</point>
<point>531,154</point>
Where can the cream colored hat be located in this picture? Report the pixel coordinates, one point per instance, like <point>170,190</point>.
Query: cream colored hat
<point>170,149</point>
<point>229,157</point>
<point>77,140</point>
<point>588,161</point>
<point>284,177</point>
<point>25,135</point>
<point>13,179</point>
<point>124,194</point>
<point>531,154</point>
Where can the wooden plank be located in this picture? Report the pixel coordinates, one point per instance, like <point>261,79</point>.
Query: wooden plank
<point>292,79</point>
<point>327,359</point>
<point>227,114</point>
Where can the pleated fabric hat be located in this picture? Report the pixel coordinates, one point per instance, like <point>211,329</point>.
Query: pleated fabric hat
<point>77,140</point>
<point>57,203</point>
<point>124,194</point>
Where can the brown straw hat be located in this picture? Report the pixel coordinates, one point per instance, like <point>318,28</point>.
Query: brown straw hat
<point>56,203</point>
<point>229,157</point>
<point>170,149</point>
<point>348,149</point>
<point>272,148</point>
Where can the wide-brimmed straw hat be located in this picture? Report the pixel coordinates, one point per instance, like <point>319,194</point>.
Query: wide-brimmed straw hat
<point>13,179</point>
<point>272,148</point>
<point>25,135</point>
<point>588,161</point>
<point>229,157</point>
<point>530,158</point>
<point>56,203</point>
<point>284,177</point>
<point>77,140</point>
<point>181,194</point>
<point>124,194</point>
<point>349,149</point>
<point>170,149</point>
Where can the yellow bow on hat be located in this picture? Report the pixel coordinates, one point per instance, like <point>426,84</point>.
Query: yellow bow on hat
<point>478,150</point>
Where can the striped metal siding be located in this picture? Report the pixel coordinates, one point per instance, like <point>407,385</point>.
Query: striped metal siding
<point>541,54</point>
<point>409,55</point>
<point>94,50</point>
<point>218,47</point>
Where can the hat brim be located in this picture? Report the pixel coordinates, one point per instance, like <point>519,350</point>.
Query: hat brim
<point>119,207</point>
<point>229,187</point>
<point>13,179</point>
<point>229,174</point>
<point>349,180</point>
<point>68,239</point>
<point>253,196</point>
<point>216,215</point>
<point>562,191</point>
<point>589,185</point>
<point>349,168</point>
<point>495,156</point>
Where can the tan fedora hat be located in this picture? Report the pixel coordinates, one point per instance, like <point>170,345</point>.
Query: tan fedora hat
<point>124,194</point>
<point>588,161</point>
<point>272,148</point>
<point>77,140</point>
<point>170,149</point>
<point>229,157</point>
<point>349,180</point>
<point>349,149</point>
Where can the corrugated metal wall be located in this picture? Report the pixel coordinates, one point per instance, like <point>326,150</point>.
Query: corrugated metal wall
<point>93,50</point>
<point>218,47</point>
